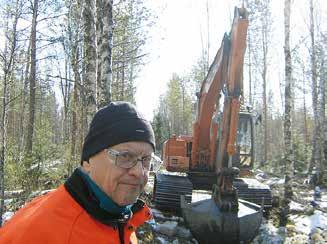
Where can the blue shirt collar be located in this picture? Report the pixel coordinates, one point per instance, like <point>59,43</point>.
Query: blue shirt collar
<point>105,202</point>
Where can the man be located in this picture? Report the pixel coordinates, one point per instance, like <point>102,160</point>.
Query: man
<point>99,202</point>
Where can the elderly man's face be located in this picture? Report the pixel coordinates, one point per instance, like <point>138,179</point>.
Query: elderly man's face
<point>123,186</point>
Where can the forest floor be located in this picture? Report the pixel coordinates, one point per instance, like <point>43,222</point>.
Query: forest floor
<point>307,222</point>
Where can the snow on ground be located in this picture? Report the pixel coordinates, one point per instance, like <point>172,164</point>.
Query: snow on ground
<point>8,201</point>
<point>296,207</point>
<point>323,201</point>
<point>9,194</point>
<point>199,195</point>
<point>274,181</point>
<point>307,224</point>
<point>6,216</point>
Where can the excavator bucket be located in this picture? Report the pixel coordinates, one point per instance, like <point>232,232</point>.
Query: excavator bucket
<point>209,225</point>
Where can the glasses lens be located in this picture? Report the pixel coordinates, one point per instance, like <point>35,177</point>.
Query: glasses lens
<point>146,161</point>
<point>126,160</point>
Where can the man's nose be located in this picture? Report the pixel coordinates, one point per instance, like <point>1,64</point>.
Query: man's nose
<point>138,170</point>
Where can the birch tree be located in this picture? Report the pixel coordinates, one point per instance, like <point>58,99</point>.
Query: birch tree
<point>105,50</point>
<point>89,80</point>
<point>288,159</point>
<point>99,4</point>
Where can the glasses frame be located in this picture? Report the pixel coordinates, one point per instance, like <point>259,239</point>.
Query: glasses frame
<point>114,153</point>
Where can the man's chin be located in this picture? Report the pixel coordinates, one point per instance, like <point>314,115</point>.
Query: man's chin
<point>127,201</point>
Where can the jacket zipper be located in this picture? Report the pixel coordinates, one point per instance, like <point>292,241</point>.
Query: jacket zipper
<point>121,232</point>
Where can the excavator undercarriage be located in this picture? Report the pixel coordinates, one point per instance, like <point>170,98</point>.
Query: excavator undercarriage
<point>169,189</point>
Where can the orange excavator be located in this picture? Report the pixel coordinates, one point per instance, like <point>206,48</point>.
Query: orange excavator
<point>219,151</point>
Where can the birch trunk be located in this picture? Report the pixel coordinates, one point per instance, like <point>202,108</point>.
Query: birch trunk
<point>89,60</point>
<point>73,153</point>
<point>284,211</point>
<point>322,119</point>
<point>106,54</point>
<point>99,35</point>
<point>264,95</point>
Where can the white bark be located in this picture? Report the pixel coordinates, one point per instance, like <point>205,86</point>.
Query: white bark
<point>89,59</point>
<point>106,54</point>
<point>288,161</point>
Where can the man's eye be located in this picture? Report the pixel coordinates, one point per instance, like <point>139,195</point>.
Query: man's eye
<point>126,156</point>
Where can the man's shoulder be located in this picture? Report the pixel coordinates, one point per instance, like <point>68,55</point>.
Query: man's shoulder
<point>51,203</point>
<point>45,216</point>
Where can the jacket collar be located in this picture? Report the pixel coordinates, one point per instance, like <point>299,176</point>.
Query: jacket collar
<point>77,187</point>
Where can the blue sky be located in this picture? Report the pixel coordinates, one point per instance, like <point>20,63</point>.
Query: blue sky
<point>176,42</point>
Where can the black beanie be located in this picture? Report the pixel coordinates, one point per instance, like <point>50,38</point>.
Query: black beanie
<point>116,123</point>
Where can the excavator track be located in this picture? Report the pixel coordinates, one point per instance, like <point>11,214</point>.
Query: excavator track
<point>253,191</point>
<point>168,190</point>
<point>248,189</point>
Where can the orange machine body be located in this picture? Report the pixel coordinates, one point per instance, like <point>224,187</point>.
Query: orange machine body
<point>213,142</point>
<point>177,153</point>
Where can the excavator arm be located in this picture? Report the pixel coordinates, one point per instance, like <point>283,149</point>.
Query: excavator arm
<point>225,194</point>
<point>224,76</point>
<point>224,218</point>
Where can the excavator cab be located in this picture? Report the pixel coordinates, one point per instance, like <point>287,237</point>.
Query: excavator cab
<point>244,157</point>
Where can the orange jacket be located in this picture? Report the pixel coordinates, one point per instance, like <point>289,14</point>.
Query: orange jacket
<point>57,218</point>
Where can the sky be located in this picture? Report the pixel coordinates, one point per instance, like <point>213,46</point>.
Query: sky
<point>175,44</point>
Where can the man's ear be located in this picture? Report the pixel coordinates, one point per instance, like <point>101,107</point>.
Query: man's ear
<point>86,166</point>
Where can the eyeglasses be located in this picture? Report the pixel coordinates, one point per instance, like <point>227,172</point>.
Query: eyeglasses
<point>128,160</point>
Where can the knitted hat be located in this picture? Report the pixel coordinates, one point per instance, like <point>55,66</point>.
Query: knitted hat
<point>116,123</point>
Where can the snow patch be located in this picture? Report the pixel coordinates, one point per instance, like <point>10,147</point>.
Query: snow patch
<point>294,206</point>
<point>161,240</point>
<point>307,224</point>
<point>8,201</point>
<point>168,228</point>
<point>199,195</point>
<point>6,216</point>
<point>275,181</point>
